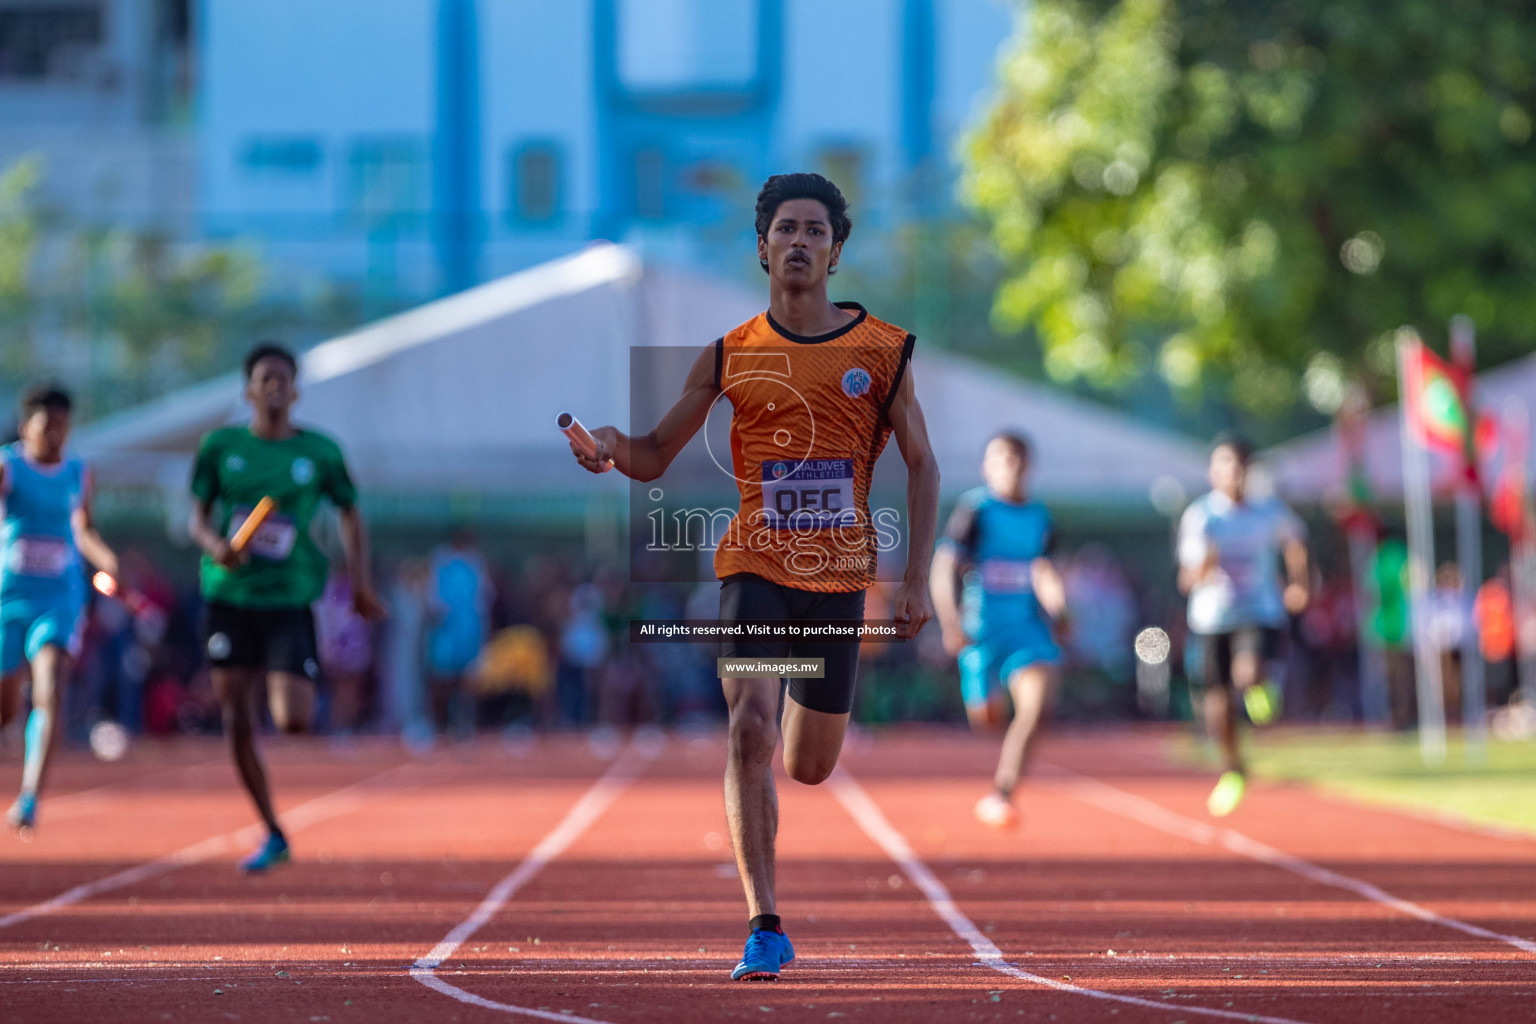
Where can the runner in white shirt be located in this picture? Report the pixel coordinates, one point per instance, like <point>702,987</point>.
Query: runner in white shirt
<point>1230,553</point>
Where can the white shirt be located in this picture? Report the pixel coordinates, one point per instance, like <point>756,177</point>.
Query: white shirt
<point>1245,588</point>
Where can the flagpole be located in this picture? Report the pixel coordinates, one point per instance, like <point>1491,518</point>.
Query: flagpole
<point>1469,552</point>
<point>1421,557</point>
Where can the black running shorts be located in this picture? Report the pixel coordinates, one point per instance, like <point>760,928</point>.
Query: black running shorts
<point>1218,649</point>
<point>273,639</point>
<point>747,596</point>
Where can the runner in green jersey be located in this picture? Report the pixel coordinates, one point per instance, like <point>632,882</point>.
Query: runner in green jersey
<point>258,600</point>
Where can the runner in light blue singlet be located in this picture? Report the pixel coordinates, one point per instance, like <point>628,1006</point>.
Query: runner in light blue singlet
<point>999,599</point>
<point>45,531</point>
<point>42,590</point>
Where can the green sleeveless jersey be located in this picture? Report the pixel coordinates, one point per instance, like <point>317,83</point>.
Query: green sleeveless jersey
<point>234,470</point>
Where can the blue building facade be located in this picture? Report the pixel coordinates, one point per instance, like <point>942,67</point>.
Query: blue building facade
<point>419,146</point>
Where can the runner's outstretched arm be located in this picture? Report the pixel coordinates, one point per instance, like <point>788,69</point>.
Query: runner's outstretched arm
<point>1049,588</point>
<point>943,587</point>
<point>354,546</point>
<point>912,605</point>
<point>646,458</point>
<point>87,539</point>
<point>1298,569</point>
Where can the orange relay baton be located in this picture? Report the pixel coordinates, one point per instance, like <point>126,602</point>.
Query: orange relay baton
<point>260,514</point>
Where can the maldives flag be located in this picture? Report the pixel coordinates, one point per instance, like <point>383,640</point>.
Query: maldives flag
<point>1437,416</point>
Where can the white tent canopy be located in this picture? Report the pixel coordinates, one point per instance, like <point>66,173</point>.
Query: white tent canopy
<point>1311,468</point>
<point>461,394</point>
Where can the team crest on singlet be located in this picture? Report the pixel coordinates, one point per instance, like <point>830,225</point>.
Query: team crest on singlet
<point>303,471</point>
<point>235,463</point>
<point>856,382</point>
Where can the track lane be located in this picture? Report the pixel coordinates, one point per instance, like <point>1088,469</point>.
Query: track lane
<point>642,914</point>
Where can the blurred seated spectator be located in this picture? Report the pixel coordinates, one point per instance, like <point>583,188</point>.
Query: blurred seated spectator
<point>512,675</point>
<point>460,601</point>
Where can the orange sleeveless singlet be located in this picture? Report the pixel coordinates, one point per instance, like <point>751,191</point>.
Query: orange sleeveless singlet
<point>810,419</point>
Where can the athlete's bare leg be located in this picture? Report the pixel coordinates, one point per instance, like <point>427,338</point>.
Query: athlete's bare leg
<point>234,686</point>
<point>1245,669</point>
<point>1221,724</point>
<point>751,803</point>
<point>812,742</point>
<point>50,675</point>
<point>989,717</point>
<point>291,699</point>
<point>1033,688</point>
<point>10,695</point>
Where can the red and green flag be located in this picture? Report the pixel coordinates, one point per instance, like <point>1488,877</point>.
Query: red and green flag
<point>1437,409</point>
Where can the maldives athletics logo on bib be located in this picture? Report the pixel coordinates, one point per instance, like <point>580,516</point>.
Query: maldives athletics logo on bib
<point>856,382</point>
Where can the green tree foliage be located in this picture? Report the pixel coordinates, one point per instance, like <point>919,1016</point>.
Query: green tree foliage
<point>1259,191</point>
<point>122,314</point>
<point>18,241</point>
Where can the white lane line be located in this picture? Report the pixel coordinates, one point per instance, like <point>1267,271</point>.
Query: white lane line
<point>1153,815</point>
<point>582,814</point>
<point>331,805</point>
<point>869,817</point>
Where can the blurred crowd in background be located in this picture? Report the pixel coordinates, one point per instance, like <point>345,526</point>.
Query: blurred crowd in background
<point>474,645</point>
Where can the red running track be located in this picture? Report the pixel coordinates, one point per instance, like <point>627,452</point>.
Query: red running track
<point>615,899</point>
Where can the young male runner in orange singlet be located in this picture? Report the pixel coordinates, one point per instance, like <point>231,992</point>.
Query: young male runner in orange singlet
<point>816,390</point>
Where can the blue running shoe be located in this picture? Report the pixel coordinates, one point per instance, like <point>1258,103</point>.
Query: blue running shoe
<point>274,851</point>
<point>767,952</point>
<point>23,814</point>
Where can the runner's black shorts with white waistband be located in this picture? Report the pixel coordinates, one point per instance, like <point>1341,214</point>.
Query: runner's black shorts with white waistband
<point>747,596</point>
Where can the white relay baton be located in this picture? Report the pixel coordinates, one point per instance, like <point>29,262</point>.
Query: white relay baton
<point>585,443</point>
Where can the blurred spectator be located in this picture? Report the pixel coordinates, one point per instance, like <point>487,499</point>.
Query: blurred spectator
<point>403,683</point>
<point>163,701</point>
<point>1102,609</point>
<point>624,689</point>
<point>123,648</point>
<point>682,675</point>
<point>1448,623</point>
<point>513,674</point>
<point>583,649</point>
<point>346,653</point>
<point>1388,622</point>
<point>1494,613</point>
<point>460,604</point>
<point>1328,628</point>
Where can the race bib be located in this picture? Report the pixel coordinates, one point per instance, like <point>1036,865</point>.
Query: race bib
<point>812,495</point>
<point>1006,576</point>
<point>48,557</point>
<point>1242,567</point>
<point>273,539</point>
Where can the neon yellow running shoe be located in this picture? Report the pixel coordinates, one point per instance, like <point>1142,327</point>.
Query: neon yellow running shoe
<point>1263,702</point>
<point>1227,794</point>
